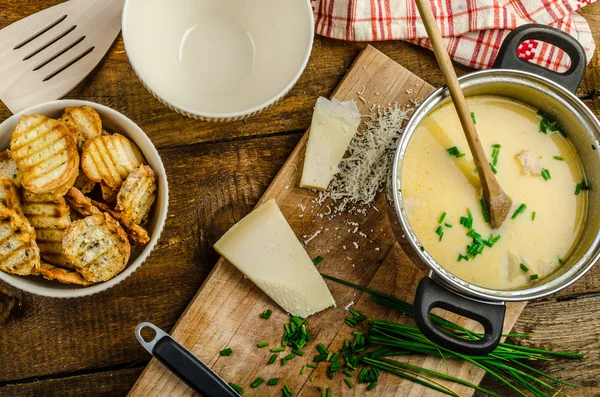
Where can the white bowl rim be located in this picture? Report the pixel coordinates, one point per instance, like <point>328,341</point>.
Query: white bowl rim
<point>161,212</point>
<point>227,115</point>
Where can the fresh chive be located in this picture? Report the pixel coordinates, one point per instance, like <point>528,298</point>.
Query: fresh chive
<point>317,260</point>
<point>371,385</point>
<point>321,348</point>
<point>440,232</point>
<point>447,225</point>
<point>267,314</point>
<point>453,151</point>
<point>320,357</point>
<point>581,186</point>
<point>289,356</point>
<point>303,370</point>
<point>287,392</point>
<point>226,352</point>
<point>533,277</point>
<point>311,365</point>
<point>257,383</point>
<point>442,217</point>
<point>558,158</point>
<point>329,355</point>
<point>348,373</point>
<point>560,261</point>
<point>237,388</point>
<point>524,268</point>
<point>277,349</point>
<point>335,357</point>
<point>473,118</point>
<point>546,174</point>
<point>493,168</point>
<point>484,212</point>
<point>533,216</point>
<point>283,362</point>
<point>273,381</point>
<point>348,381</point>
<point>272,359</point>
<point>328,392</point>
<point>298,352</point>
<point>262,344</point>
<point>496,146</point>
<point>519,210</point>
<point>461,256</point>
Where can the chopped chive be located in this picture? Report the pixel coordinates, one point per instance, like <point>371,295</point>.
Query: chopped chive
<point>260,345</point>
<point>496,146</point>
<point>226,352</point>
<point>581,186</point>
<point>371,385</point>
<point>273,381</point>
<point>494,170</point>
<point>486,217</point>
<point>267,314</point>
<point>317,260</point>
<point>335,357</point>
<point>320,357</point>
<point>272,359</point>
<point>453,151</point>
<point>524,268</point>
<point>349,373</point>
<point>533,216</point>
<point>328,392</point>
<point>298,352</point>
<point>311,379</point>
<point>440,232</point>
<point>329,355</point>
<point>561,261</point>
<point>303,370</point>
<point>283,361</point>
<point>461,256</point>
<point>533,277</point>
<point>311,365</point>
<point>277,349</point>
<point>558,158</point>
<point>238,389</point>
<point>545,174</point>
<point>519,210</point>
<point>257,383</point>
<point>321,348</point>
<point>474,122</point>
<point>442,217</point>
<point>289,356</point>
<point>447,225</point>
<point>348,381</point>
<point>287,392</point>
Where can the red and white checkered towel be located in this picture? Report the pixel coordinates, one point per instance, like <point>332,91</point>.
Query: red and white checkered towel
<point>473,29</point>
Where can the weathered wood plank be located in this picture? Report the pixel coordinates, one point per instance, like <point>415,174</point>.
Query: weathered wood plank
<point>211,187</point>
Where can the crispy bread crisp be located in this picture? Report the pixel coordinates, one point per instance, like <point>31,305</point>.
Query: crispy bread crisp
<point>110,158</point>
<point>83,183</point>
<point>9,169</point>
<point>46,154</point>
<point>50,216</point>
<point>51,272</point>
<point>97,246</point>
<point>9,194</point>
<point>85,121</point>
<point>84,206</point>
<point>137,194</point>
<point>109,195</point>
<point>19,254</point>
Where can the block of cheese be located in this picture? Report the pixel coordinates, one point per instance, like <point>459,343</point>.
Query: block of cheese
<point>264,247</point>
<point>333,125</point>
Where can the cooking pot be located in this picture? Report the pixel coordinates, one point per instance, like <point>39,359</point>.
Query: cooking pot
<point>552,93</point>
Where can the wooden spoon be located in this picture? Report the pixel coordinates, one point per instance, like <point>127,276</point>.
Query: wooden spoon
<point>496,201</point>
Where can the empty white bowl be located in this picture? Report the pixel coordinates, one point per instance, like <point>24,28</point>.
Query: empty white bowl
<point>218,60</point>
<point>113,121</point>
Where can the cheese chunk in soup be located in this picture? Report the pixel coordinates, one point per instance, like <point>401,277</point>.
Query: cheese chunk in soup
<point>539,171</point>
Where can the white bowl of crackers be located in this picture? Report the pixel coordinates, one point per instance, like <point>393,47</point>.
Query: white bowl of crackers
<point>83,198</point>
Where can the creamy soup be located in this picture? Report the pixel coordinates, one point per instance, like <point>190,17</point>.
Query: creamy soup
<point>540,171</point>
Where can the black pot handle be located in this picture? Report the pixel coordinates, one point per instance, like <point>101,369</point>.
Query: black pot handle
<point>508,59</point>
<point>184,364</point>
<point>431,295</point>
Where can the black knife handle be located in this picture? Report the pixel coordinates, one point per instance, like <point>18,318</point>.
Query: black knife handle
<point>184,364</point>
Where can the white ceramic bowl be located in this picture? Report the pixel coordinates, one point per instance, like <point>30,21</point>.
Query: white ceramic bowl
<point>218,60</point>
<point>114,122</point>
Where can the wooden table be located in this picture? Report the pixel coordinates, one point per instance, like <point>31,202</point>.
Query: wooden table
<point>217,172</point>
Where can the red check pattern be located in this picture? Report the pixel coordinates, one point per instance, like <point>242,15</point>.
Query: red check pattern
<point>473,29</point>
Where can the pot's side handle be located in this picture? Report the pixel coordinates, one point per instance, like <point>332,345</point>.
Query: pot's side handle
<point>508,58</point>
<point>431,295</point>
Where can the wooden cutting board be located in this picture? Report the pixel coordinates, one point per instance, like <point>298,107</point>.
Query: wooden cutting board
<point>226,310</point>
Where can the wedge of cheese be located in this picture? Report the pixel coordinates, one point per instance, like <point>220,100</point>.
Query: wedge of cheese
<point>264,247</point>
<point>333,125</point>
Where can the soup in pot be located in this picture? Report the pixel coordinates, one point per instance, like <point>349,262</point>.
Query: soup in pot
<point>536,165</point>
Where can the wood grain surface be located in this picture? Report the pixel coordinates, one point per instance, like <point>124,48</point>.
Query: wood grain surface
<point>217,173</point>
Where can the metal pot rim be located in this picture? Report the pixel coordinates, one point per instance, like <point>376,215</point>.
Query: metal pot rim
<point>436,270</point>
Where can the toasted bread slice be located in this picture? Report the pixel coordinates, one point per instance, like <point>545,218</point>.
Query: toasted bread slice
<point>50,272</point>
<point>137,234</point>
<point>19,254</point>
<point>46,154</point>
<point>137,194</point>
<point>50,216</point>
<point>9,169</point>
<point>110,158</point>
<point>9,194</point>
<point>85,121</point>
<point>97,246</point>
<point>83,183</point>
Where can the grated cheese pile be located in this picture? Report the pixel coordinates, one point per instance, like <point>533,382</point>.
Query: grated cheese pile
<point>364,172</point>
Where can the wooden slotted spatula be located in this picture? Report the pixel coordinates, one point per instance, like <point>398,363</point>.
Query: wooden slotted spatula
<point>43,56</point>
<point>496,201</point>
